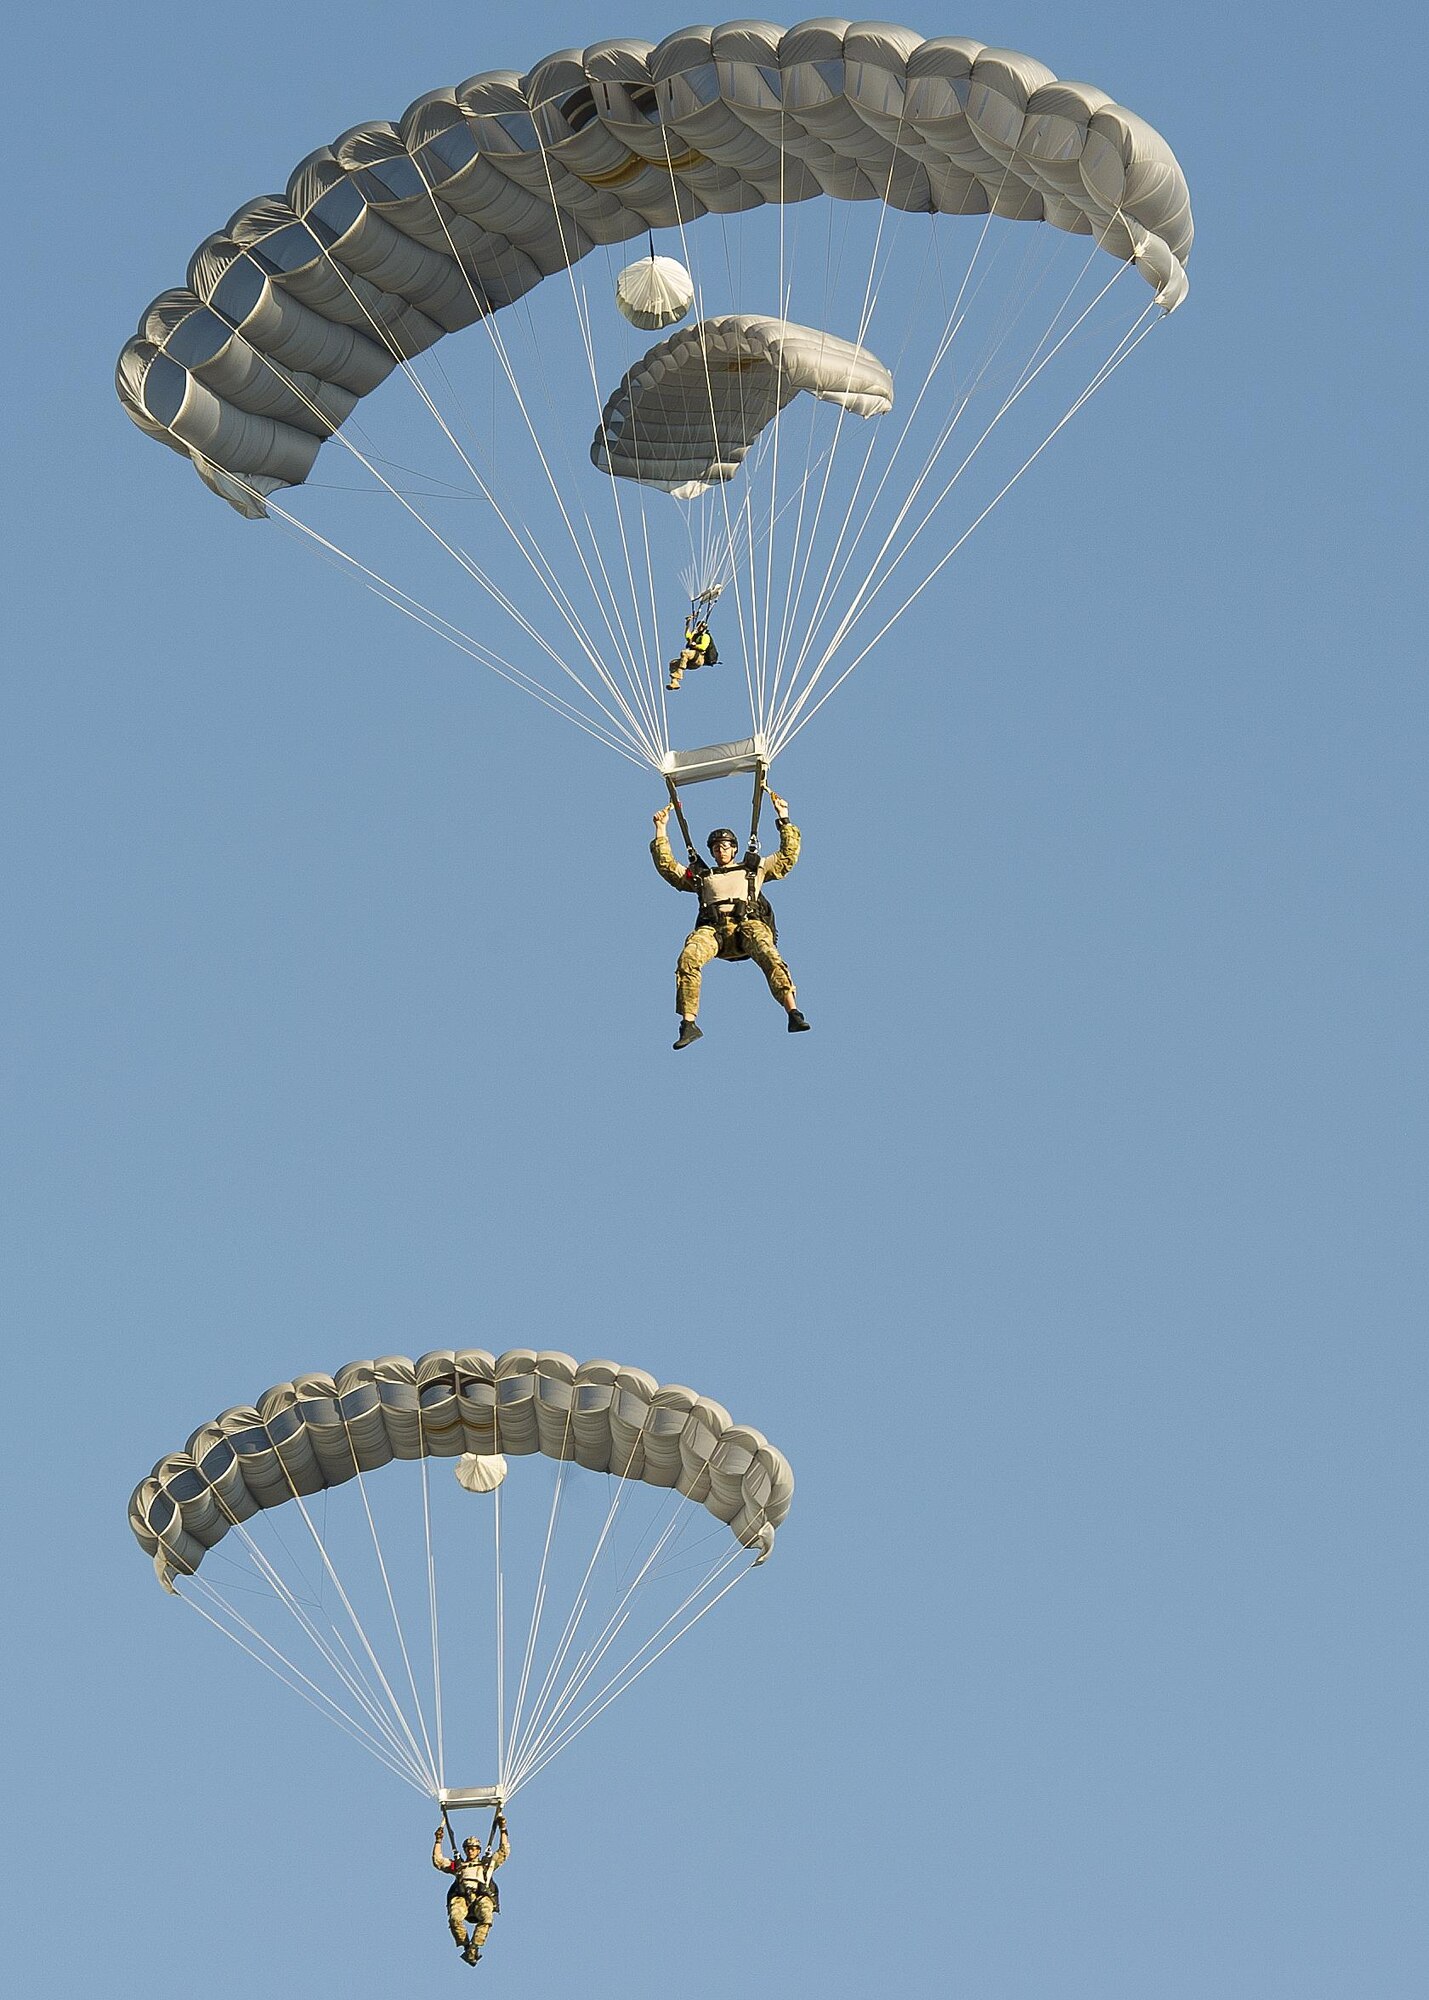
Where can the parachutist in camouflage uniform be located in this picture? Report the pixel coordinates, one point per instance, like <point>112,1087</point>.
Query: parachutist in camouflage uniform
<point>734,920</point>
<point>473,1896</point>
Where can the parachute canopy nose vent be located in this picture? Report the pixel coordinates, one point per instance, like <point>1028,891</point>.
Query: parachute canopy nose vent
<point>654,292</point>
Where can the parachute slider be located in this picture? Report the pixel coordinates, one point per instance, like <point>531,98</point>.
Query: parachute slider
<point>714,760</point>
<point>480,1798</point>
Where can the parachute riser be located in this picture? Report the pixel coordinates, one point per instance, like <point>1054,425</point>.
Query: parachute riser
<point>695,861</point>
<point>761,775</point>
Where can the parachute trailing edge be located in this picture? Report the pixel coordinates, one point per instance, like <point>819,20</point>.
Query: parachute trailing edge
<point>687,413</point>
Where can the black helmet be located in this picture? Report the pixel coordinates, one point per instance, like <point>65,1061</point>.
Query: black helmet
<point>722,833</point>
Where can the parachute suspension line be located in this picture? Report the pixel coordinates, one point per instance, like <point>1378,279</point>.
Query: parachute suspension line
<point>620,645</point>
<point>833,574</point>
<point>577,1611</point>
<point>761,612</point>
<point>723,496</point>
<point>458,556</point>
<point>352,1678</point>
<point>864,320</point>
<point>583,321</point>
<point>647,629</point>
<point>438,1717</point>
<point>772,694</point>
<point>626,1678</point>
<point>475,649</point>
<point>294,1678</point>
<point>539,1731</point>
<point>541,567</point>
<point>361,1693</point>
<point>1128,342</point>
<point>391,1605</point>
<point>357,1623</point>
<point>440,628</point>
<point>800,568</point>
<point>629,1673</point>
<point>874,582</point>
<point>539,1601</point>
<point>500,1626</point>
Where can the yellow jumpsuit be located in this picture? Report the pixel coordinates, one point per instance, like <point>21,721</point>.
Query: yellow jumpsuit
<point>726,937</point>
<point>697,646</point>
<point>470,1898</point>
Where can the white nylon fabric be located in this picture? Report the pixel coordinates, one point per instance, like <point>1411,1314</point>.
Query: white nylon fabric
<point>654,292</point>
<point>476,1473</point>
<point>398,233</point>
<point>687,413</point>
<point>318,1431</point>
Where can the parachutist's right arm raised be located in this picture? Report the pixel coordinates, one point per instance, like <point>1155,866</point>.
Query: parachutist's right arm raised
<point>439,1860</point>
<point>675,872</point>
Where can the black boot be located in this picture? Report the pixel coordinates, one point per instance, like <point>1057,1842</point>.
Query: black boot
<point>797,1024</point>
<point>690,1031</point>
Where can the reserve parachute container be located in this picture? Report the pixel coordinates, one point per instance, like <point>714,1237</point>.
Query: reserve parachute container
<point>1004,239</point>
<point>588,1517</point>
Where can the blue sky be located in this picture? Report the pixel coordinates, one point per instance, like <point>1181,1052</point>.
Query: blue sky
<point>1075,1259</point>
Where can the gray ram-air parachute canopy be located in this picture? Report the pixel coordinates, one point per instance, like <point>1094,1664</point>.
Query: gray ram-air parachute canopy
<point>550,188</point>
<point>689,410</point>
<point>397,234</point>
<point>246,1525</point>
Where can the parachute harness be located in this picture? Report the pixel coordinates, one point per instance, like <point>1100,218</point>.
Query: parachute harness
<point>698,864</point>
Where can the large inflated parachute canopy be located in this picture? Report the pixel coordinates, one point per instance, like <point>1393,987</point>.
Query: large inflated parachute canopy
<point>1003,239</point>
<point>690,409</point>
<point>320,1431</point>
<point>615,1512</point>
<point>398,233</point>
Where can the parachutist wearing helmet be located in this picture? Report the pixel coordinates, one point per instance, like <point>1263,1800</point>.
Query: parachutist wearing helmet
<point>473,1897</point>
<point>735,919</point>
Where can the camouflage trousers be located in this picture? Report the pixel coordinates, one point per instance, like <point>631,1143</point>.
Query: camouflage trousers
<point>478,1910</point>
<point>750,939</point>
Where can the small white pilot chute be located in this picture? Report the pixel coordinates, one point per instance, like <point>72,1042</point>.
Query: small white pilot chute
<point>687,413</point>
<point>480,1472</point>
<point>654,292</point>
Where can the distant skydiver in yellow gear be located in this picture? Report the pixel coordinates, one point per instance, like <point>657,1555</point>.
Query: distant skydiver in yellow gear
<point>473,1897</point>
<point>700,651</point>
<point>735,919</point>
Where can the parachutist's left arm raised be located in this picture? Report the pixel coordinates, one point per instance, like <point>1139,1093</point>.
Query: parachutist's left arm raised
<point>503,1846</point>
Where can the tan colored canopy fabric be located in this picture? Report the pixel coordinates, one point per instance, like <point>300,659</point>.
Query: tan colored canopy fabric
<point>688,411</point>
<point>396,234</point>
<point>321,1430</point>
